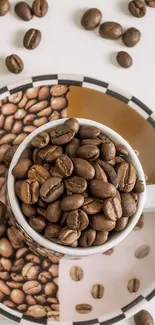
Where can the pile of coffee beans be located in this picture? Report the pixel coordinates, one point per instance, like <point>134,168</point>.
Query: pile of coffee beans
<point>76,186</point>
<point>113,30</point>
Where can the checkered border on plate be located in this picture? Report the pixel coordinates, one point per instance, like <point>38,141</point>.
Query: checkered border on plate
<point>147,114</point>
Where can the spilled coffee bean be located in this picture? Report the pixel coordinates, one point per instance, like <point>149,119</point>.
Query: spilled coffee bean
<point>76,273</point>
<point>83,308</point>
<point>14,63</point>
<point>133,285</point>
<point>97,291</point>
<point>137,8</point>
<point>143,318</point>
<point>142,251</point>
<point>91,18</point>
<point>32,39</point>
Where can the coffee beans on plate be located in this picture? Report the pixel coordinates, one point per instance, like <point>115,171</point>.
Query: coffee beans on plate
<point>23,11</point>
<point>143,318</point>
<point>137,8</point>
<point>4,7</point>
<point>124,59</point>
<point>14,63</point>
<point>32,39</point>
<point>131,37</point>
<point>111,30</point>
<point>68,189</point>
<point>91,18</point>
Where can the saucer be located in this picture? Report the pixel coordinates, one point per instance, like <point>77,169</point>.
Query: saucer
<point>102,289</point>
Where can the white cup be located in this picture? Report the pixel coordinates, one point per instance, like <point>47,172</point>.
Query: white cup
<point>146,199</point>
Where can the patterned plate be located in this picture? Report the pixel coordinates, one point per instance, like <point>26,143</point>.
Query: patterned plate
<point>101,289</point>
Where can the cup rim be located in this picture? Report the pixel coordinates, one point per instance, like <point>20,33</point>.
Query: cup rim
<point>116,238</point>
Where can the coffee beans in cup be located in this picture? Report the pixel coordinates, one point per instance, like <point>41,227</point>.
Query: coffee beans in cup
<point>77,187</point>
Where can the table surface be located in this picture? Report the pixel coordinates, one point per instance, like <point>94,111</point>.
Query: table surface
<point>67,48</point>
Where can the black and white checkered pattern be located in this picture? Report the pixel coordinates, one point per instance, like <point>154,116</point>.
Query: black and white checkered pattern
<point>147,114</point>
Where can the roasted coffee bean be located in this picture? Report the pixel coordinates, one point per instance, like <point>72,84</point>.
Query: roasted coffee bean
<point>109,252</point>
<point>121,150</point>
<point>54,212</point>
<point>111,174</point>
<point>21,169</point>
<point>150,3</point>
<point>102,190</point>
<point>75,184</point>
<point>72,202</point>
<point>23,11</point>
<point>68,236</point>
<point>83,168</point>
<point>91,18</point>
<point>73,124</point>
<point>87,238</point>
<point>64,165</point>
<point>36,311</point>
<point>131,37</point>
<point>9,155</point>
<point>2,212</point>
<point>128,205</point>
<point>92,205</point>
<point>52,231</point>
<point>111,30</point>
<point>83,308</point>
<point>101,223</point>
<point>77,220</point>
<point>30,271</point>
<point>27,191</point>
<point>60,135</point>
<point>4,288</point>
<point>16,237</point>
<point>142,251</point>
<point>39,174</point>
<point>40,8</point>
<point>124,59</point>
<point>139,186</point>
<point>101,238</point>
<point>35,157</point>
<point>121,224</point>
<point>43,94</point>
<point>58,90</point>
<point>4,7</point>
<point>54,172</point>
<point>32,287</point>
<point>76,273</point>
<point>135,197</point>
<point>112,209</point>
<point>6,249</point>
<point>139,225</point>
<point>126,174</point>
<point>143,318</point>
<point>44,276</point>
<point>133,285</point>
<point>95,142</point>
<point>88,152</point>
<point>17,296</point>
<point>38,223</point>
<point>3,149</point>
<point>52,189</point>
<point>97,291</point>
<point>21,252</point>
<point>50,153</point>
<point>14,63</point>
<point>88,132</point>
<point>99,172</point>
<point>40,140</point>
<point>108,151</point>
<point>72,147</point>
<point>32,39</point>
<point>58,103</point>
<point>137,8</point>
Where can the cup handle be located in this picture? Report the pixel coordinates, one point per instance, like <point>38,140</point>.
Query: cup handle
<point>150,198</point>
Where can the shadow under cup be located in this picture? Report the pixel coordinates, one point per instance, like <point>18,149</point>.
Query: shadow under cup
<point>32,236</point>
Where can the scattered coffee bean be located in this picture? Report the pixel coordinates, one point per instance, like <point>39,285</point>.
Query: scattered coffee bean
<point>137,8</point>
<point>131,37</point>
<point>76,273</point>
<point>109,252</point>
<point>23,11</point>
<point>150,3</point>
<point>124,59</point>
<point>133,285</point>
<point>32,39</point>
<point>14,63</point>
<point>139,225</point>
<point>91,18</point>
<point>83,308</point>
<point>143,318</point>
<point>111,30</point>
<point>97,291</point>
<point>40,8</point>
<point>142,251</point>
<point>4,7</point>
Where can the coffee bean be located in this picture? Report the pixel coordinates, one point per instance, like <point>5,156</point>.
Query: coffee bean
<point>58,103</point>
<point>15,98</point>
<point>97,291</point>
<point>32,287</point>
<point>4,7</point>
<point>137,8</point>
<point>54,212</point>
<point>99,172</point>
<point>124,59</point>
<point>27,191</point>
<point>17,296</point>
<point>87,238</point>
<point>38,173</point>
<point>38,223</point>
<point>52,231</point>
<point>91,18</point>
<point>40,8</point>
<point>101,238</point>
<point>76,273</point>
<point>133,285</point>
<point>54,172</point>
<point>143,318</point>
<point>108,151</point>
<point>6,249</point>
<point>58,90</point>
<point>9,109</point>
<point>139,186</point>
<point>68,236</point>
<point>150,3</point>
<point>72,147</point>
<point>126,174</point>
<point>112,209</point>
<point>92,205</point>
<point>52,189</point>
<point>41,140</point>
<point>131,37</point>
<point>9,155</point>
<point>23,11</point>
<point>50,153</point>
<point>73,124</point>
<point>102,190</point>
<point>128,205</point>
<point>64,165</point>
<point>101,223</point>
<point>75,184</point>
<point>30,271</point>
<point>88,132</point>
<point>61,135</point>
<point>3,149</point>
<point>14,63</point>
<point>88,152</point>
<point>111,30</point>
<point>33,258</point>
<point>139,225</point>
<point>121,224</point>
<point>109,252</point>
<point>4,288</point>
<point>84,308</point>
<point>21,168</point>
<point>32,39</point>
<point>38,106</point>
<point>142,251</point>
<point>111,174</point>
<point>72,202</point>
<point>2,212</point>
<point>77,220</point>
